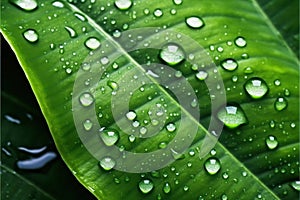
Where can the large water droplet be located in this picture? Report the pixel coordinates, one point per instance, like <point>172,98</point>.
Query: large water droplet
<point>280,104</point>
<point>131,115</point>
<point>171,127</point>
<point>113,85</point>
<point>146,186</point>
<point>240,42</point>
<point>194,22</point>
<point>271,142</point>
<point>92,43</point>
<point>86,99</point>
<point>31,35</point>
<point>256,88</point>
<point>58,4</point>
<point>158,13</point>
<point>172,54</point>
<point>202,75</point>
<point>167,188</point>
<point>232,116</point>
<point>27,5</point>
<point>107,163</point>
<point>212,165</point>
<point>229,64</point>
<point>123,4</point>
<point>71,31</point>
<point>109,137</point>
<point>177,2</point>
<point>296,185</point>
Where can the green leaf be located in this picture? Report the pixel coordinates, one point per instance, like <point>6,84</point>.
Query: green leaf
<point>52,62</point>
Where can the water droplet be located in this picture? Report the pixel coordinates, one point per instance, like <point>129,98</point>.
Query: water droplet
<point>107,163</point>
<point>171,127</point>
<point>87,124</point>
<point>92,43</point>
<point>240,42</point>
<point>113,85</point>
<point>157,13</point>
<point>225,175</point>
<point>117,33</point>
<point>131,138</point>
<point>68,70</point>
<point>27,5</point>
<point>224,197</point>
<point>194,103</point>
<point>86,66</point>
<point>296,185</point>
<point>234,79</point>
<point>146,186</point>
<point>280,104</point>
<point>31,35</point>
<point>131,115</point>
<point>229,64</point>
<point>248,70</point>
<point>162,145</point>
<point>172,54</point>
<point>232,116</point>
<point>286,93</point>
<point>177,2</point>
<point>58,4</point>
<point>202,75</point>
<point>272,124</point>
<point>123,4</point>
<point>277,82</point>
<point>86,99</point>
<point>109,137</point>
<point>256,88</point>
<point>167,188</point>
<point>212,165</point>
<point>185,188</point>
<point>271,142</point>
<point>71,31</point>
<point>194,22</point>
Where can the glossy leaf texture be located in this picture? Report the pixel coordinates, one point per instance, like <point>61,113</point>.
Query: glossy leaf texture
<point>259,146</point>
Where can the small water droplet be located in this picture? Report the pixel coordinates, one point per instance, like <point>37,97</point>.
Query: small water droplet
<point>107,163</point>
<point>31,35</point>
<point>86,99</point>
<point>146,186</point>
<point>271,142</point>
<point>177,2</point>
<point>232,116</point>
<point>248,70</point>
<point>162,145</point>
<point>172,54</point>
<point>157,13</point>
<point>71,31</point>
<point>277,82</point>
<point>166,188</point>
<point>113,85</point>
<point>131,138</point>
<point>240,42</point>
<point>225,175</point>
<point>202,75</point>
<point>185,188</point>
<point>212,165</point>
<point>224,197</point>
<point>286,93</point>
<point>229,64</point>
<point>86,66</point>
<point>92,43</point>
<point>109,136</point>
<point>256,88</point>
<point>280,104</point>
<point>171,127</point>
<point>131,115</point>
<point>272,124</point>
<point>80,17</point>
<point>58,4</point>
<point>68,70</point>
<point>87,124</point>
<point>194,22</point>
<point>27,5</point>
<point>123,4</point>
<point>296,185</point>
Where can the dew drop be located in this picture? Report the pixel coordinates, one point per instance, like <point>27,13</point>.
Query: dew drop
<point>162,145</point>
<point>202,75</point>
<point>31,35</point>
<point>80,17</point>
<point>27,5</point>
<point>172,54</point>
<point>87,124</point>
<point>58,4</point>
<point>280,104</point>
<point>86,66</point>
<point>277,82</point>
<point>248,70</point>
<point>256,88</point>
<point>131,115</point>
<point>123,4</point>
<point>86,99</point>
<point>225,175</point>
<point>113,85</point>
<point>271,142</point>
<point>109,137</point>
<point>71,31</point>
<point>167,188</point>
<point>68,70</point>
<point>131,138</point>
<point>107,163</point>
<point>92,43</point>
<point>194,103</point>
<point>177,2</point>
<point>194,22</point>
<point>232,116</point>
<point>224,197</point>
<point>212,165</point>
<point>240,42</point>
<point>146,186</point>
<point>286,93</point>
<point>171,127</point>
<point>157,13</point>
<point>296,185</point>
<point>229,64</point>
